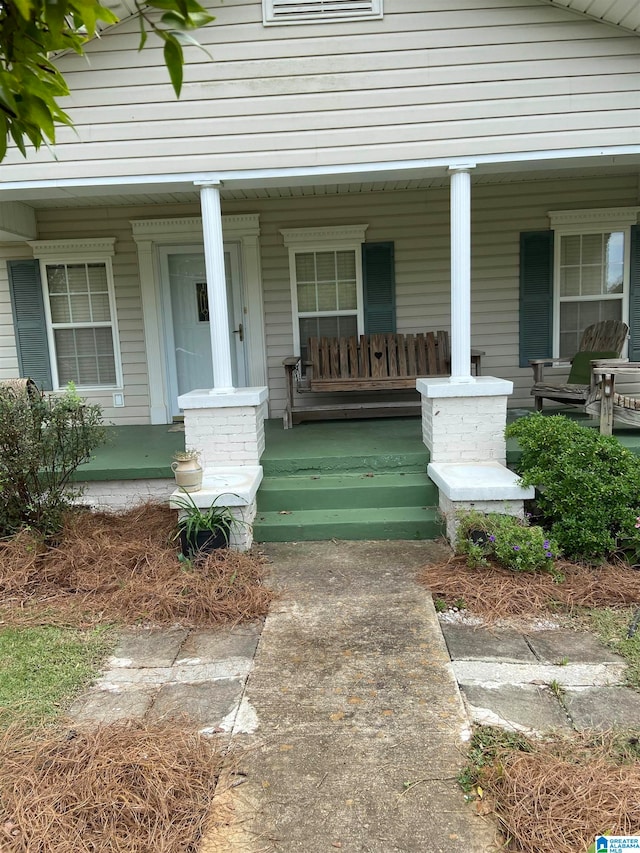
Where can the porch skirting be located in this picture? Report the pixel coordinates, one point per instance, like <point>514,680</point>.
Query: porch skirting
<point>116,495</point>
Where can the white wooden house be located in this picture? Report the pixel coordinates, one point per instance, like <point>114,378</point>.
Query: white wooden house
<point>346,119</point>
<point>317,144</point>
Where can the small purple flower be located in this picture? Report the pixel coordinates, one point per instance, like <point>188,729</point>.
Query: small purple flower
<point>493,538</point>
<point>546,545</point>
<point>516,547</point>
<point>548,554</point>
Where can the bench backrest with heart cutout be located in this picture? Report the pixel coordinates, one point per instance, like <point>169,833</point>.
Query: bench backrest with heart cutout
<point>373,362</point>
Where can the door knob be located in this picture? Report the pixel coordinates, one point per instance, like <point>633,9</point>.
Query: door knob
<point>239,331</point>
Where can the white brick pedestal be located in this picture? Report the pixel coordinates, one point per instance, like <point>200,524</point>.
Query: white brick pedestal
<point>465,421</point>
<point>227,430</point>
<point>463,427</point>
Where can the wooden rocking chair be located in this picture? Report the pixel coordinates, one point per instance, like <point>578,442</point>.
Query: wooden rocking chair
<point>603,398</point>
<point>603,340</point>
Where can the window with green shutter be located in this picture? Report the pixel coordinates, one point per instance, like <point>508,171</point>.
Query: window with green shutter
<point>29,322</point>
<point>378,273</point>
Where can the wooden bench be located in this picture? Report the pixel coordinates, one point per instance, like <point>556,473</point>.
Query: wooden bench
<point>383,362</point>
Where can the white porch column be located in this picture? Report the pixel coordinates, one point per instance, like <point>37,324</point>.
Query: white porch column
<point>461,274</point>
<point>216,288</point>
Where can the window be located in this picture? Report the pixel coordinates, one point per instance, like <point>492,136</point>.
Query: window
<point>318,11</point>
<point>326,282</point>
<point>591,272</point>
<point>80,312</point>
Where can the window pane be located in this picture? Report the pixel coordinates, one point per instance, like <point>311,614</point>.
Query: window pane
<point>80,311</point>
<point>591,281</point>
<point>77,276</point>
<point>97,274</point>
<point>57,279</point>
<point>614,262</point>
<point>307,296</point>
<point>100,309</point>
<point>326,266</point>
<point>592,249</point>
<point>570,281</point>
<point>346,265</point>
<point>347,295</point>
<point>570,250</point>
<point>60,310</point>
<point>305,267</point>
<point>327,296</point>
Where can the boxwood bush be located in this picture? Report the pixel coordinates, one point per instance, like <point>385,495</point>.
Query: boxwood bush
<point>588,486</point>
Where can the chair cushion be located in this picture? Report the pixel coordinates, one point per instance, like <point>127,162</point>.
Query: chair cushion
<point>581,367</point>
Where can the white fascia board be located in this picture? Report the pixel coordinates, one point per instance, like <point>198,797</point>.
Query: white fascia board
<point>332,174</point>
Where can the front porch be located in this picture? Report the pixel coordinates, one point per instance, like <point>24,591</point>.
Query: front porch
<point>361,479</point>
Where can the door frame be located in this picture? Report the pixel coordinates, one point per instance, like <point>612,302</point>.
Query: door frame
<point>164,252</point>
<point>148,235</point>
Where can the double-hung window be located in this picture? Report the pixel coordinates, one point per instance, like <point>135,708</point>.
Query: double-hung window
<point>80,312</point>
<point>591,272</point>
<point>326,282</point>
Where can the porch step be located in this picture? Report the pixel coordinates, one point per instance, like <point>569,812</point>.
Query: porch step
<point>361,490</point>
<point>351,524</point>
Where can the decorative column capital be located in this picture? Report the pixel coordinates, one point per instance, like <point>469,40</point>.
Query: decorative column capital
<point>205,183</point>
<point>462,167</point>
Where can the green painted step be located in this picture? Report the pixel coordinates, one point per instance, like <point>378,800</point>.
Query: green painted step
<point>332,462</point>
<point>343,491</point>
<point>349,524</point>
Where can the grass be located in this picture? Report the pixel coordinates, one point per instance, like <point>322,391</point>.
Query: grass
<point>42,669</point>
<point>611,625</point>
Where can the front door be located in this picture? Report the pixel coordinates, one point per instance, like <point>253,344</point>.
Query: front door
<point>186,309</point>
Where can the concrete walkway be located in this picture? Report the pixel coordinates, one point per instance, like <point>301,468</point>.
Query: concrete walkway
<point>346,702</point>
<point>359,721</point>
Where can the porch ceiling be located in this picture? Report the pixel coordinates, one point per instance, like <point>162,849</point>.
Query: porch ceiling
<point>182,190</point>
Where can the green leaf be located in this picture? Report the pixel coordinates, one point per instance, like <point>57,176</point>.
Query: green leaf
<point>3,135</point>
<point>174,19</point>
<point>174,60</point>
<point>143,33</point>
<point>24,7</point>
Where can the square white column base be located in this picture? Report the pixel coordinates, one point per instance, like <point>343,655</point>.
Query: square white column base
<point>234,487</point>
<point>484,487</point>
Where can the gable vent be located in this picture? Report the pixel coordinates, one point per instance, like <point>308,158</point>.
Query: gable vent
<point>290,12</point>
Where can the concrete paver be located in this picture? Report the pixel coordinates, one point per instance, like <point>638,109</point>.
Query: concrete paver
<point>472,642</point>
<point>572,647</point>
<point>525,707</point>
<point>605,708</point>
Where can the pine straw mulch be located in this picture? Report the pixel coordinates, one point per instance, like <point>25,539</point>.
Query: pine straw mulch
<point>124,788</point>
<point>493,593</point>
<point>561,795</point>
<point>124,568</point>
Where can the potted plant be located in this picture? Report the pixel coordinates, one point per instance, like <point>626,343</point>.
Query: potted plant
<point>201,530</point>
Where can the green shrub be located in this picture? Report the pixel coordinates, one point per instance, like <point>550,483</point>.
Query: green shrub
<point>508,540</point>
<point>588,486</point>
<point>42,442</point>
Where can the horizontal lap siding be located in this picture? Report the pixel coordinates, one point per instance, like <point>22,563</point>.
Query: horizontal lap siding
<point>460,78</point>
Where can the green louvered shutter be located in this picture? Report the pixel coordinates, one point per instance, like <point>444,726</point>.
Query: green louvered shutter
<point>29,322</point>
<point>379,288</point>
<point>634,295</point>
<point>536,295</point>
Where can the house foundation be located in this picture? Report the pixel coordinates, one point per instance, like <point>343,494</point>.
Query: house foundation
<point>463,425</point>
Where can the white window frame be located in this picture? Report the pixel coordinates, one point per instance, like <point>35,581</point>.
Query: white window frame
<point>338,238</point>
<point>98,251</point>
<point>596,221</point>
<point>284,12</point>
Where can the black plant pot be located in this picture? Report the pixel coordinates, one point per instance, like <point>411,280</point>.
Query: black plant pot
<point>203,542</point>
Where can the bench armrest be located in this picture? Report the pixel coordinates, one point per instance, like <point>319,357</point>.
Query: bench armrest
<point>290,361</point>
<point>538,365</point>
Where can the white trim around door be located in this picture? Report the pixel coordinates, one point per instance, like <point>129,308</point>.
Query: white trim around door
<point>149,234</point>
